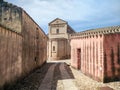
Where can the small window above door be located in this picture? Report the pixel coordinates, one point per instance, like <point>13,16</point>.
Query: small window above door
<point>57,31</point>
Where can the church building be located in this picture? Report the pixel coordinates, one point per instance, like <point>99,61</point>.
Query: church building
<point>59,40</point>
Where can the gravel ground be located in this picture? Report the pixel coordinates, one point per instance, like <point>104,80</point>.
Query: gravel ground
<point>85,83</point>
<point>81,81</point>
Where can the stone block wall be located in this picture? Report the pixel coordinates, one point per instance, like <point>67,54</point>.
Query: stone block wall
<point>23,44</point>
<point>10,56</point>
<point>10,16</point>
<point>34,44</point>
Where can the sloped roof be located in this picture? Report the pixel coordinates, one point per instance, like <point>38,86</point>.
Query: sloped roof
<point>56,20</point>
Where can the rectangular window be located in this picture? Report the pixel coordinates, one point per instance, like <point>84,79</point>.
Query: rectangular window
<point>57,31</point>
<point>53,48</point>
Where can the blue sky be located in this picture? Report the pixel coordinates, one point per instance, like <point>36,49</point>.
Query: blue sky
<point>80,14</point>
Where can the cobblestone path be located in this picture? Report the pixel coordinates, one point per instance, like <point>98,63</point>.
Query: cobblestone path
<point>58,75</point>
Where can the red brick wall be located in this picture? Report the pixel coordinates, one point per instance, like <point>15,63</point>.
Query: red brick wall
<point>91,59</point>
<point>112,57</point>
<point>10,56</point>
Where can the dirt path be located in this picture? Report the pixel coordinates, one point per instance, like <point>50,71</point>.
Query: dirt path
<point>66,79</point>
<point>58,75</point>
<point>47,81</point>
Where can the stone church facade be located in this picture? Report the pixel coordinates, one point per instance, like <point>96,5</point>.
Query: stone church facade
<point>97,53</point>
<point>59,40</point>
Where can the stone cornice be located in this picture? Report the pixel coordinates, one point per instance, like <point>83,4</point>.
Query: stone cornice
<point>99,31</point>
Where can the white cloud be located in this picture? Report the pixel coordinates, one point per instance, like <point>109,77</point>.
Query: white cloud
<point>43,11</point>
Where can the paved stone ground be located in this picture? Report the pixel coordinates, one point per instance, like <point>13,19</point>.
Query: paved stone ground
<point>58,75</point>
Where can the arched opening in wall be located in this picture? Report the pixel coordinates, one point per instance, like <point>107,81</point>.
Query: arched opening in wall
<point>79,58</point>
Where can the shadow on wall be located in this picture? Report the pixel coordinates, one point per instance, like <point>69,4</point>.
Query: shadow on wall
<point>28,82</point>
<point>36,78</point>
<point>113,75</point>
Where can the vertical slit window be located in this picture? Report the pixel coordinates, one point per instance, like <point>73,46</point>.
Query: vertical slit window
<point>53,48</point>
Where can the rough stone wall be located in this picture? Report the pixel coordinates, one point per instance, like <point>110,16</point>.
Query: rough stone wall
<point>23,44</point>
<point>34,44</point>
<point>42,47</point>
<point>87,55</point>
<point>10,16</point>
<point>10,56</point>
<point>112,57</point>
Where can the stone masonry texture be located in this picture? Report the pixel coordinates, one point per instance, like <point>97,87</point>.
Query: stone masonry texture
<point>23,44</point>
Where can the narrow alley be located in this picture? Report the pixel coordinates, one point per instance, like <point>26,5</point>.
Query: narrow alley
<point>58,75</point>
